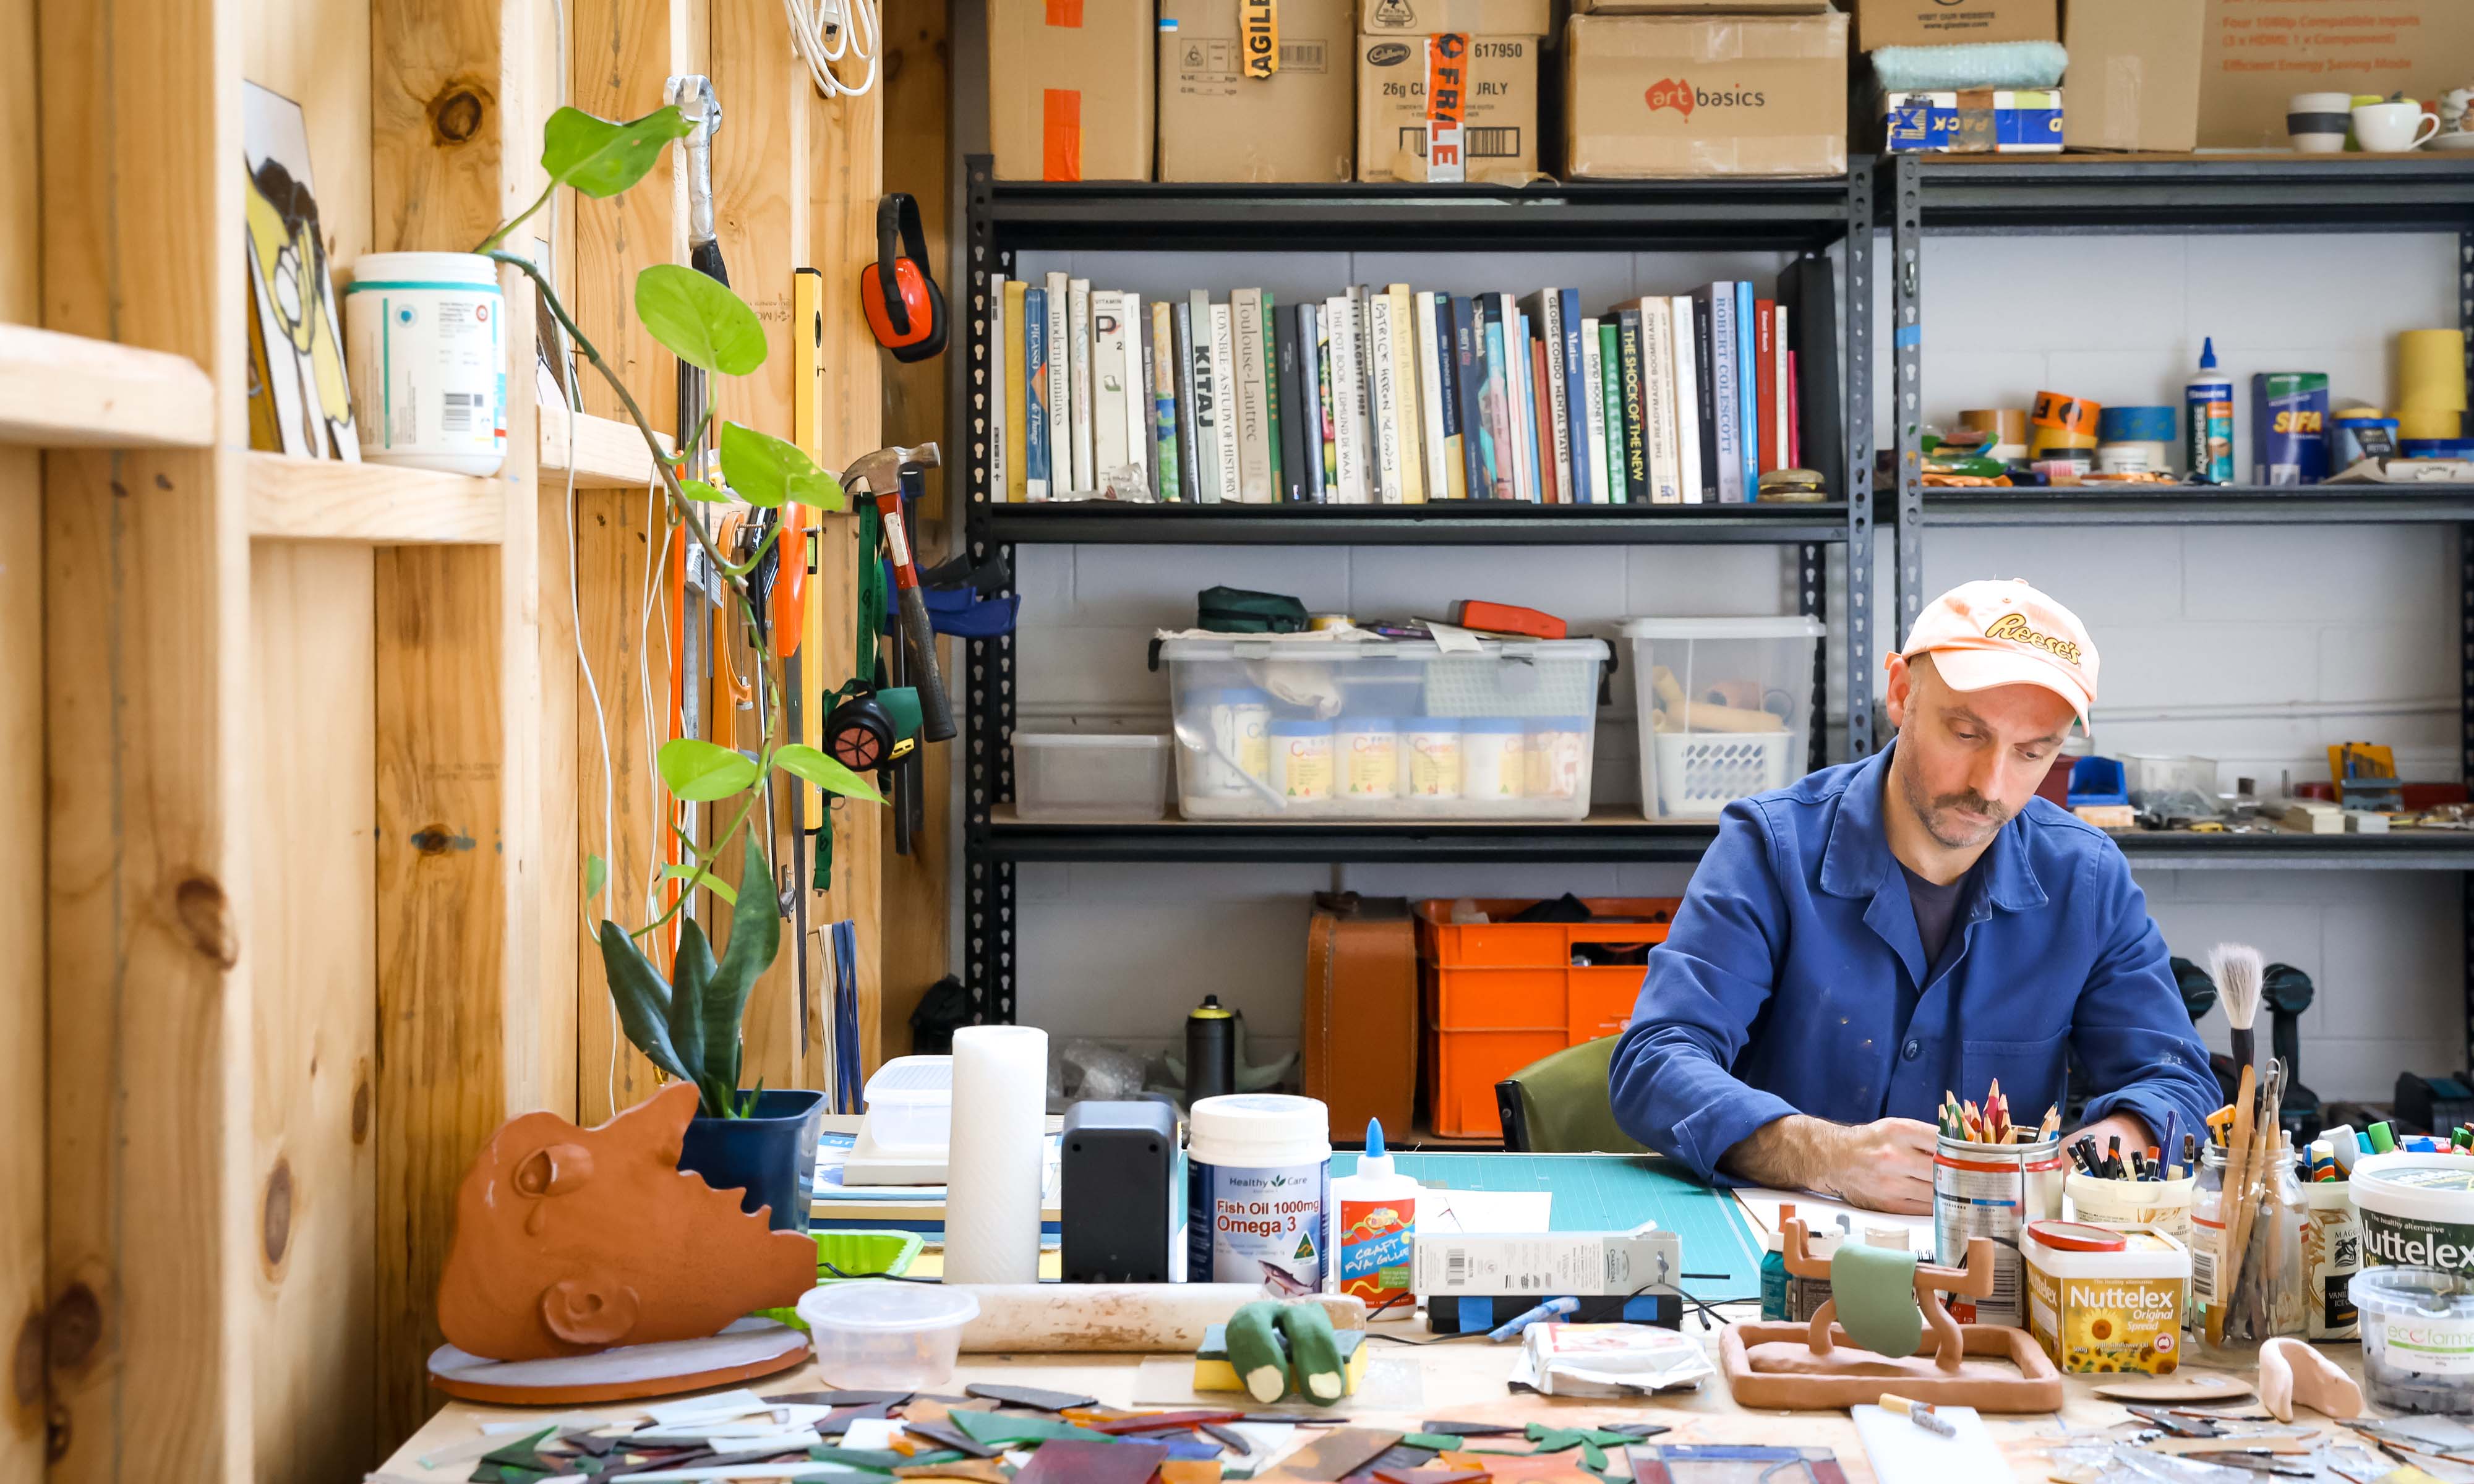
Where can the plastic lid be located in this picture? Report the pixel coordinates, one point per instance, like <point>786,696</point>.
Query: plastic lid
<point>885,1307</point>
<point>460,268</point>
<point>1491,725</point>
<point>2208,353</point>
<point>913,1081</point>
<point>1299,727</point>
<point>1790,626</point>
<point>1374,1162</point>
<point>2075,1237</point>
<point>1258,1128</point>
<point>1356,721</point>
<point>1228,695</point>
<point>1430,724</point>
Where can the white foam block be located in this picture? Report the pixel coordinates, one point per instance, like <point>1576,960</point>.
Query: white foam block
<point>1902,1452</point>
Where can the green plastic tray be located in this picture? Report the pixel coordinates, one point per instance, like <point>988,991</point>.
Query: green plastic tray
<point>858,1255</point>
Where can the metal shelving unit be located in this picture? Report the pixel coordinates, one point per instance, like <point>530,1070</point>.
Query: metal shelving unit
<point>2076,195</point>
<point>1004,218</point>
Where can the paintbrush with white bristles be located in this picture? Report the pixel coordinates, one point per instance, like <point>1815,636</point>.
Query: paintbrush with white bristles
<point>2239,972</point>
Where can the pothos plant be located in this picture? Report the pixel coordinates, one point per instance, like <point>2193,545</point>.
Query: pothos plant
<point>688,1023</point>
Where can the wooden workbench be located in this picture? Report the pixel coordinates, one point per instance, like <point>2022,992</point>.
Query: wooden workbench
<point>1463,1382</point>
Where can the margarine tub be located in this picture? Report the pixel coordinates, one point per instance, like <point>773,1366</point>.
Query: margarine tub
<point>2418,1211</point>
<point>2106,1298</point>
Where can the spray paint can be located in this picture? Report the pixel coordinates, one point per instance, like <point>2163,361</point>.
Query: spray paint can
<point>2208,422</point>
<point>1210,1051</point>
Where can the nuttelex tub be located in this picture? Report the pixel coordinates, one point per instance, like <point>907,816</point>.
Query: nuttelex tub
<point>2418,1211</point>
<point>2106,1298</point>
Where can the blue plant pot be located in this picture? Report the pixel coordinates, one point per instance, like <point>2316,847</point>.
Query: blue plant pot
<point>770,1157</point>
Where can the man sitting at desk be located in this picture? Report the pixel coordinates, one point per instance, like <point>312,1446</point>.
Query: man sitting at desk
<point>1862,941</point>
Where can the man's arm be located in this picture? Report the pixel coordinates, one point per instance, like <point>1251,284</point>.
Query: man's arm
<point>2130,1027</point>
<point>1885,1166</point>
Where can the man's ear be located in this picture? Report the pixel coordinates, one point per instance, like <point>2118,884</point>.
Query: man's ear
<point>1901,689</point>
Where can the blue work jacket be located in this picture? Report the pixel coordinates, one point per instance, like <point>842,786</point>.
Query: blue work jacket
<point>1777,990</point>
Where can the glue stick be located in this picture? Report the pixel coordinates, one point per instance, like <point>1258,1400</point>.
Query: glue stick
<point>1378,1214</point>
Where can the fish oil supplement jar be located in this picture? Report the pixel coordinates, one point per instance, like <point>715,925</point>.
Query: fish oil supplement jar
<point>1258,1180</point>
<point>2418,1338</point>
<point>2106,1298</point>
<point>424,339</point>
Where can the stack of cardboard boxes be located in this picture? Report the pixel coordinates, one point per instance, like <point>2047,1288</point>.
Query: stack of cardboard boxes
<point>1502,42</point>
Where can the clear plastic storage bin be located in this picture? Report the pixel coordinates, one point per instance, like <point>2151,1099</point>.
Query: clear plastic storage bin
<point>1307,728</point>
<point>1090,775</point>
<point>910,1101</point>
<point>1723,705</point>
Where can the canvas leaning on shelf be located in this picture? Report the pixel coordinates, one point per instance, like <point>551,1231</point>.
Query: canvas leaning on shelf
<point>1387,395</point>
<point>298,401</point>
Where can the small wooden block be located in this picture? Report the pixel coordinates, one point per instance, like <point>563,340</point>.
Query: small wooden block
<point>2189,1386</point>
<point>1072,1461</point>
<point>1335,1455</point>
<point>1036,1398</point>
<point>2274,1443</point>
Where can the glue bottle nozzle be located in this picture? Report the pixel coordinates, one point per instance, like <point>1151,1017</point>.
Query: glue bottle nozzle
<point>1375,1138</point>
<point>2208,353</point>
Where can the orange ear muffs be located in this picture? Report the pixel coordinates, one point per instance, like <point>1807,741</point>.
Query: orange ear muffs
<point>904,309</point>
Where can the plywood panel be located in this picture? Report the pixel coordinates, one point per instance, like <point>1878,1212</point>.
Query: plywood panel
<point>144,634</point>
<point>315,1014</point>
<point>624,51</point>
<point>294,47</point>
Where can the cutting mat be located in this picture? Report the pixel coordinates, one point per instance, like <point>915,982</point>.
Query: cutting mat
<point>1607,1192</point>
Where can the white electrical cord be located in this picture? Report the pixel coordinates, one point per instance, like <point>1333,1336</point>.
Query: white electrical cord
<point>825,32</point>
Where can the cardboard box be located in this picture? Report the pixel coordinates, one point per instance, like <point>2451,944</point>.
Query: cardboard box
<point>1070,89</point>
<point>1974,121</point>
<point>1471,18</point>
<point>1881,23</point>
<point>1357,1036</point>
<point>1699,6</point>
<point>2256,54</point>
<point>1544,1264</point>
<point>1218,124</point>
<point>1499,117</point>
<point>1652,97</point>
<point>2134,77</point>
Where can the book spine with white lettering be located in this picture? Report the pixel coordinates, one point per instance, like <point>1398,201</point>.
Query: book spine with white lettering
<point>1078,315</point>
<point>1635,437</point>
<point>1209,417</point>
<point>1682,359</point>
<point>1340,316</point>
<point>1061,384</point>
<point>1408,395</point>
<point>1658,401</point>
<point>1313,391</point>
<point>1034,406</point>
<point>1592,419</point>
<point>1189,479</point>
<point>1164,418</point>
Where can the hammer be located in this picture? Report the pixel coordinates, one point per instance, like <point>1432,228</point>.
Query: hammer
<point>880,474</point>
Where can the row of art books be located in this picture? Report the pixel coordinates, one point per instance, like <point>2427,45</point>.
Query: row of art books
<point>1390,396</point>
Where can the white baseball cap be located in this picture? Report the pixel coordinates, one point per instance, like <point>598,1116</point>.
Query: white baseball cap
<point>2000,632</point>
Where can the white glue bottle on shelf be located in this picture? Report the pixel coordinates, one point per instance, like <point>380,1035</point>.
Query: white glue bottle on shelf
<point>1378,1213</point>
<point>2208,422</point>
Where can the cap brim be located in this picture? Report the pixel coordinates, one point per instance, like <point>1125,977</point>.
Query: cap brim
<point>1983,669</point>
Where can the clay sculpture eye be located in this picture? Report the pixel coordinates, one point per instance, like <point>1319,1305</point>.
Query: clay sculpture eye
<point>554,1169</point>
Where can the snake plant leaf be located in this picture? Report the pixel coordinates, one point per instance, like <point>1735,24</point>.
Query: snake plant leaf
<point>602,157</point>
<point>765,470</point>
<point>643,998</point>
<point>699,319</point>
<point>801,760</point>
<point>701,772</point>
<point>754,938</point>
<point>691,970</point>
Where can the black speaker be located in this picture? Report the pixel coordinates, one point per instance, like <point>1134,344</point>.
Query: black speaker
<point>1120,1194</point>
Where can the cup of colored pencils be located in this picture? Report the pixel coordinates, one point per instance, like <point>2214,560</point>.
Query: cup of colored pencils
<point>1990,1123</point>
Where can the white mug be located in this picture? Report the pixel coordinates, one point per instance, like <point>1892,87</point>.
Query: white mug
<point>2392,128</point>
<point>2317,121</point>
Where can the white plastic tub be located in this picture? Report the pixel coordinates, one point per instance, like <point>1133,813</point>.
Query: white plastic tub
<point>1090,775</point>
<point>886,1335</point>
<point>1336,708</point>
<point>910,1101</point>
<point>1724,708</point>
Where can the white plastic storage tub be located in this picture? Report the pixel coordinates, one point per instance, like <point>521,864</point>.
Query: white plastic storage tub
<point>910,1101</point>
<point>1724,708</point>
<point>1090,775</point>
<point>1303,726</point>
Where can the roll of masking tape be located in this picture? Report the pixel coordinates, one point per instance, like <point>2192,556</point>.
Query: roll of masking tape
<point>2008,426</point>
<point>2430,383</point>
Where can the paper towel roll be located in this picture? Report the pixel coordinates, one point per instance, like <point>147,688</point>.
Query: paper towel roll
<point>993,1164</point>
<point>2430,383</point>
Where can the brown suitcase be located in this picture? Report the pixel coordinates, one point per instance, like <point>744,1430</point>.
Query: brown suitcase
<point>1359,1035</point>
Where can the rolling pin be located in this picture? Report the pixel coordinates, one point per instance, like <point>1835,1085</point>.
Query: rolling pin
<point>1704,715</point>
<point>1125,1318</point>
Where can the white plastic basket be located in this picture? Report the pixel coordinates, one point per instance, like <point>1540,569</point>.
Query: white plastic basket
<point>1699,773</point>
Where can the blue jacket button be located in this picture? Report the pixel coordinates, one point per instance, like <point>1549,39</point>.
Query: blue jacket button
<point>1913,1049</point>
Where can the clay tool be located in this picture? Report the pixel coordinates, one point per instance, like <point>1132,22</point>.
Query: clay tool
<point>1919,1413</point>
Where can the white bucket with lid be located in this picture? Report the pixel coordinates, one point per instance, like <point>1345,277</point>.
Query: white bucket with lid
<point>2418,1211</point>
<point>1258,1191</point>
<point>425,340</point>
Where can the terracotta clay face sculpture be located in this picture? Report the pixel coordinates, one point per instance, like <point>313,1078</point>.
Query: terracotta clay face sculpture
<point>571,1240</point>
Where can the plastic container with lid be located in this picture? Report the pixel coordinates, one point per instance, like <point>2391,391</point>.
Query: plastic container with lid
<point>1493,757</point>
<point>2417,1211</point>
<point>902,1336</point>
<point>1090,775</point>
<point>2106,1297</point>
<point>910,1102</point>
<point>1302,762</point>
<point>2418,1338</point>
<point>1430,757</point>
<point>1259,1183</point>
<point>1724,706</point>
<point>425,340</point>
<point>1366,751</point>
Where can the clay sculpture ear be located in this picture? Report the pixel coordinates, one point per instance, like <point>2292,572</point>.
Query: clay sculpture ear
<point>1876,1291</point>
<point>581,1314</point>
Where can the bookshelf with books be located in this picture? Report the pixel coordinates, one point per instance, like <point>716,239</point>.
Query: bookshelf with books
<point>1486,403</point>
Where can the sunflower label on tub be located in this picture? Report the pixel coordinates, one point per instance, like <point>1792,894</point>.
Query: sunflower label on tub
<point>2106,1300</point>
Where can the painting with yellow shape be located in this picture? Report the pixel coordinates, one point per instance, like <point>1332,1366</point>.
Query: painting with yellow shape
<point>300,401</point>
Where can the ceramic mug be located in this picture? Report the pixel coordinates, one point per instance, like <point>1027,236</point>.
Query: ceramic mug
<point>2393,128</point>
<point>2319,121</point>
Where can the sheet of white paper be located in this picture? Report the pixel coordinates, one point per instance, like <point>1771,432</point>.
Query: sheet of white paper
<point>1451,639</point>
<point>1821,1215</point>
<point>1904,1453</point>
<point>1484,1211</point>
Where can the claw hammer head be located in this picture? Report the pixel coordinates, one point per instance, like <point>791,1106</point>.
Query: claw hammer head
<point>881,473</point>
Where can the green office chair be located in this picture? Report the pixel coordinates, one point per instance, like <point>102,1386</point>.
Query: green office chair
<point>1559,1104</point>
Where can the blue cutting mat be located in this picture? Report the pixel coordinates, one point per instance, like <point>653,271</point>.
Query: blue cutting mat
<point>1607,1192</point>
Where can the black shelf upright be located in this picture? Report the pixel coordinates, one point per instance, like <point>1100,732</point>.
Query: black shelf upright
<point>2082,195</point>
<point>1002,218</point>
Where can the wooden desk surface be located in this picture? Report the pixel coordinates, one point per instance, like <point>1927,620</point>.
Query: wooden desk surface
<point>1463,1382</point>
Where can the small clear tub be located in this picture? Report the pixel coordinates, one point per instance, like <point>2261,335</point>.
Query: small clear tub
<point>886,1335</point>
<point>2418,1339</point>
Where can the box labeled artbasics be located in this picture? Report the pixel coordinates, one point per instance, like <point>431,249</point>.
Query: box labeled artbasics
<point>1661,97</point>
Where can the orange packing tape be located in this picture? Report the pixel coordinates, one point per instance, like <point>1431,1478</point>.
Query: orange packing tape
<point>2042,439</point>
<point>1060,134</point>
<point>2076,414</point>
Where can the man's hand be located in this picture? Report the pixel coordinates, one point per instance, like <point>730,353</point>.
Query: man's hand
<point>1885,1165</point>
<point>2127,1127</point>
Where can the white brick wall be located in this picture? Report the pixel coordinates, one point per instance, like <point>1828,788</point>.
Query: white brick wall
<point>2262,646</point>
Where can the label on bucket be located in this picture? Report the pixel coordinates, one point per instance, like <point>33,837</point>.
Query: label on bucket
<point>2425,1347</point>
<point>1374,1246</point>
<point>1993,1195</point>
<point>1254,1224</point>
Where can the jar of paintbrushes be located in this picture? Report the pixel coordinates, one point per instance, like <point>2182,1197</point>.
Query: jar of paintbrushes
<point>2262,1295</point>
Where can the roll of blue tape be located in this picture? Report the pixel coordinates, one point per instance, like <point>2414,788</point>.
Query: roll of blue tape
<point>2135,424</point>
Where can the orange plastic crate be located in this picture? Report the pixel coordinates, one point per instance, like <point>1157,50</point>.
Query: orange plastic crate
<point>1499,996</point>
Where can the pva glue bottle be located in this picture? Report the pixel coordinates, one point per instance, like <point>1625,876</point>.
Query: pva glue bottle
<point>2208,422</point>
<point>1378,1214</point>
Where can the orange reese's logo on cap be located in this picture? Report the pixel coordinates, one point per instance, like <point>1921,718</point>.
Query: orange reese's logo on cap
<point>2014,628</point>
